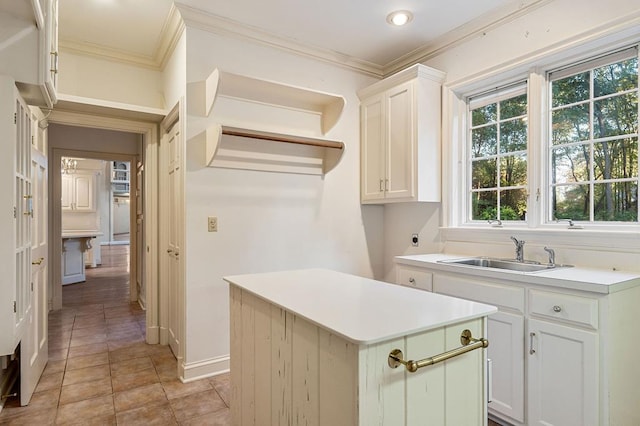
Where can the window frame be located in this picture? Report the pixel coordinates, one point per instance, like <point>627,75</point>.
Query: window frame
<point>538,86</point>
<point>588,65</point>
<point>496,95</point>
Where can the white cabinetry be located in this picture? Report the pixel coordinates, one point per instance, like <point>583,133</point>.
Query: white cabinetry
<point>78,192</point>
<point>562,375</point>
<point>561,356</point>
<point>15,215</point>
<point>400,137</point>
<point>29,50</point>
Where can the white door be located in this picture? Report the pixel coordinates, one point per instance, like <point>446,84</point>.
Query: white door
<point>174,172</point>
<point>138,237</point>
<point>401,136</point>
<point>563,375</point>
<point>506,351</point>
<point>34,346</point>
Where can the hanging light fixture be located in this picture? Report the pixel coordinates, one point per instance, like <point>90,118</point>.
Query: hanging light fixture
<point>68,165</point>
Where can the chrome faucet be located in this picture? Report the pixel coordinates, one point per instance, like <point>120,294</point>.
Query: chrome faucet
<point>519,249</point>
<point>552,256</point>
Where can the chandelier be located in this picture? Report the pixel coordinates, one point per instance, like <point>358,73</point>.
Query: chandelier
<point>68,165</point>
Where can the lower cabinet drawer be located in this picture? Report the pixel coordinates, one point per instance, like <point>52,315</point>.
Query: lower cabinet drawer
<point>505,296</point>
<point>414,277</point>
<point>578,310</point>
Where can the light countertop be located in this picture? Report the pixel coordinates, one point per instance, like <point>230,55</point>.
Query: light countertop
<point>81,234</point>
<point>575,278</point>
<point>361,310</point>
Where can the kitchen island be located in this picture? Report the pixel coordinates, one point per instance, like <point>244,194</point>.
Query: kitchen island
<point>313,347</point>
<point>74,246</point>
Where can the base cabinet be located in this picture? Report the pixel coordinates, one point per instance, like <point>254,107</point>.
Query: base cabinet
<point>559,357</point>
<point>562,375</point>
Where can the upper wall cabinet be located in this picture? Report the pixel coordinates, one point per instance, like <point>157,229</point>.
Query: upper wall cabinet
<point>79,192</point>
<point>29,48</point>
<point>400,137</point>
<point>258,124</point>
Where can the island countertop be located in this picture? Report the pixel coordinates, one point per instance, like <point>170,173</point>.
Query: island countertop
<point>361,310</point>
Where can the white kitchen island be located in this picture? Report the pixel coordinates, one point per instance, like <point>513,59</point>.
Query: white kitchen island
<point>74,246</point>
<point>311,347</point>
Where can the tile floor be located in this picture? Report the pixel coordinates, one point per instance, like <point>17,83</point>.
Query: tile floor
<point>101,371</point>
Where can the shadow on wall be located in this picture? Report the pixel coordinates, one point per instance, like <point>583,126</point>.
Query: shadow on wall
<point>373,222</point>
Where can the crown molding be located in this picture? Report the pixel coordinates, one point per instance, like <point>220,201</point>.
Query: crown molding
<point>476,28</point>
<point>171,31</point>
<point>200,19</point>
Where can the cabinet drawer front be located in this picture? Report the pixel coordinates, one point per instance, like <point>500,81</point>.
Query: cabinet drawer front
<point>569,308</point>
<point>480,291</point>
<point>414,277</point>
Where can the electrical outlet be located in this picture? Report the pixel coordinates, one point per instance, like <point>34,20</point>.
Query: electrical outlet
<point>414,240</point>
<point>213,224</point>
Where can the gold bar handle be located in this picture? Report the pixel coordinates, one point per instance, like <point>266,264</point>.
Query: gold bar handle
<point>37,262</point>
<point>469,343</point>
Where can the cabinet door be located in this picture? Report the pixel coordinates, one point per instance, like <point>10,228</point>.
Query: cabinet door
<point>400,148</point>
<point>67,192</point>
<point>372,179</point>
<point>562,375</point>
<point>84,193</point>
<point>506,351</point>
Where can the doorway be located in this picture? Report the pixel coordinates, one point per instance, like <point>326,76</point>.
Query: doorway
<point>95,225</point>
<point>102,137</point>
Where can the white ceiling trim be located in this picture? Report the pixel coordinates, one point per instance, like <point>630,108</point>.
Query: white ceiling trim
<point>206,21</point>
<point>472,29</point>
<point>170,34</point>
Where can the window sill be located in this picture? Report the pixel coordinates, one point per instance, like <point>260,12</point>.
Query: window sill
<point>627,241</point>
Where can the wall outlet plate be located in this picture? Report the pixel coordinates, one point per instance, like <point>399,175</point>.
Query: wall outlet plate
<point>414,240</point>
<point>212,224</point>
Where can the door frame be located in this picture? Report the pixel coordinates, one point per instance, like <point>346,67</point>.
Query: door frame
<point>148,129</point>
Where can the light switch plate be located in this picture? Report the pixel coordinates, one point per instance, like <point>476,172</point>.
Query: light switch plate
<point>212,224</point>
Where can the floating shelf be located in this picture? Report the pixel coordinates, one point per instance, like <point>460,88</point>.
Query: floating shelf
<point>253,149</point>
<point>258,116</point>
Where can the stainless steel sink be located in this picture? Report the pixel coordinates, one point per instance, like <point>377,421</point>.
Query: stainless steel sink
<point>511,265</point>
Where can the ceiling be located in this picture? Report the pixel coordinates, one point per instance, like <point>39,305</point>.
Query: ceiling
<point>353,32</point>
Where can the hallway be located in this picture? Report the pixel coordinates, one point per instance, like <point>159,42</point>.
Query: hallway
<point>101,371</point>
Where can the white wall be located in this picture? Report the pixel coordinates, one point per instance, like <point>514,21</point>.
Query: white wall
<point>516,44</point>
<point>174,76</point>
<point>95,78</point>
<point>270,221</point>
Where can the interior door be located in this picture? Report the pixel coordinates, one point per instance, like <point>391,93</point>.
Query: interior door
<point>139,226</point>
<point>174,172</point>
<point>34,346</point>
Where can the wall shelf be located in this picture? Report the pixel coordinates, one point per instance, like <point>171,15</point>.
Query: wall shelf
<point>251,149</point>
<point>248,119</point>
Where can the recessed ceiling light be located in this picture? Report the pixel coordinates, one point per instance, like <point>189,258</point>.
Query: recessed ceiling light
<point>399,17</point>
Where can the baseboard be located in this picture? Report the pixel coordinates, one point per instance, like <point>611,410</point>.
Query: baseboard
<point>153,335</point>
<point>199,370</point>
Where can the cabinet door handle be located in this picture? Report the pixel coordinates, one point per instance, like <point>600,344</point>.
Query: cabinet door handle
<point>412,280</point>
<point>531,350</point>
<point>557,308</point>
<point>381,187</point>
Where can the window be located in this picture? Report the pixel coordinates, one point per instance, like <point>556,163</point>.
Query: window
<point>593,140</point>
<point>582,162</point>
<point>498,155</point>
